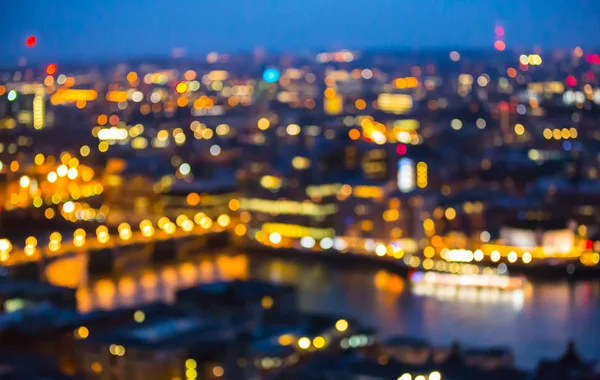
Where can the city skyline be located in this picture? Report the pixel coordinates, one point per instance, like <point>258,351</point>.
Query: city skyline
<point>83,32</point>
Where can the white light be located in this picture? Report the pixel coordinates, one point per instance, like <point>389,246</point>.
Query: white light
<point>69,206</point>
<point>52,177</point>
<point>185,168</point>
<point>62,171</point>
<point>406,376</point>
<point>435,375</point>
<point>485,236</point>
<point>406,175</point>
<point>72,173</point>
<point>326,243</point>
<point>456,124</point>
<point>24,181</point>
<point>275,238</point>
<point>137,96</point>
<point>293,129</point>
<point>215,150</point>
<point>481,123</point>
<point>380,250</point>
<point>155,97</point>
<point>340,244</point>
<point>478,255</point>
<point>307,242</point>
<point>113,133</point>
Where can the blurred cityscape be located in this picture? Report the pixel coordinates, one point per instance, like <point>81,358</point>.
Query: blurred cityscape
<point>334,215</point>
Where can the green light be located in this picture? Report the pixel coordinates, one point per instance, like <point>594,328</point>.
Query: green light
<point>12,95</point>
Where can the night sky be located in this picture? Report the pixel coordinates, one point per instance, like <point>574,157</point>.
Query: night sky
<point>108,29</point>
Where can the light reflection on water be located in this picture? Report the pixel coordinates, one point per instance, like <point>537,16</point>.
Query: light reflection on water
<point>535,323</point>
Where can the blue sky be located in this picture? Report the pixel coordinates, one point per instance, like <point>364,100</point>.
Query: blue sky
<point>109,29</point>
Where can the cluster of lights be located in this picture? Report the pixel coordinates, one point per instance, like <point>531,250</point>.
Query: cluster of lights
<point>558,134</point>
<point>422,175</point>
<point>435,375</point>
<point>531,59</point>
<point>116,350</point>
<point>463,280</point>
<point>190,369</point>
<point>355,341</point>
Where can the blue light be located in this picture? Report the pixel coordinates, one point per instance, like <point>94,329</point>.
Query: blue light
<point>271,75</point>
<point>417,277</point>
<point>567,146</point>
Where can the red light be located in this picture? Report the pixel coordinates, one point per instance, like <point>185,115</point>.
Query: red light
<point>401,149</point>
<point>503,106</point>
<point>590,76</point>
<point>51,69</point>
<point>571,81</point>
<point>30,41</point>
<point>499,31</point>
<point>589,58</point>
<point>588,245</point>
<point>596,59</point>
<point>499,45</point>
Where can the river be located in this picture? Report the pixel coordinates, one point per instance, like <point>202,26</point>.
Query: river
<point>535,323</point>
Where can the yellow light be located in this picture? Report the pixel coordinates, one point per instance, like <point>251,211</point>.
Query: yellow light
<point>240,230</point>
<point>519,129</point>
<point>428,224</point>
<point>285,339</point>
<point>191,373</point>
<point>24,181</point>
<point>266,302</point>
<point>39,159</point>
<point>191,364</point>
<point>293,129</point>
<point>263,124</point>
<point>187,225</point>
<point>319,342</point>
<point>162,222</point>
<point>54,245</point>
<point>180,219</point>
<point>31,240</point>
<point>103,146</point>
<point>56,236</point>
<point>223,220</point>
<point>450,213</point>
<point>84,151</point>
<point>270,182</point>
<point>304,343</point>
<point>82,332</point>
<point>139,316</point>
<point>170,228</point>
<point>5,245</point>
<point>234,204</point>
<point>341,325</point>
<point>181,88</point>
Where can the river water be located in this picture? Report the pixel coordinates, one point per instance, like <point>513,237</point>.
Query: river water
<point>535,323</point>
